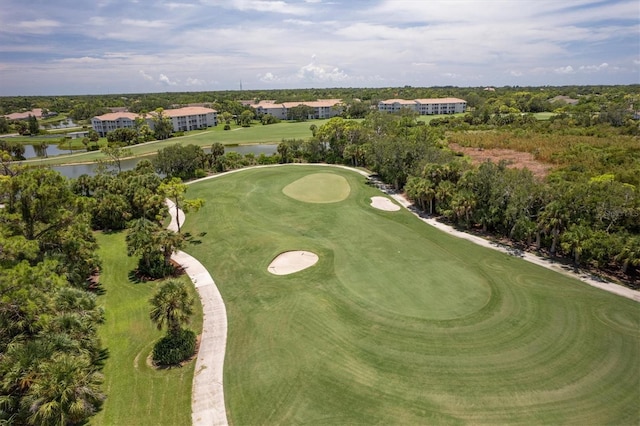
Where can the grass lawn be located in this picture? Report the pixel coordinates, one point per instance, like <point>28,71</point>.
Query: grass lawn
<point>137,394</point>
<point>399,323</point>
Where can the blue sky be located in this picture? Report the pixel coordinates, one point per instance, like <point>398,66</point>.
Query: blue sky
<point>125,46</point>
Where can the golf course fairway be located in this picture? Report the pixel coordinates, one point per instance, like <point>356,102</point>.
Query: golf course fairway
<point>398,322</point>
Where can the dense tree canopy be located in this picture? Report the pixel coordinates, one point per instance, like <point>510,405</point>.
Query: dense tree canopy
<point>50,356</point>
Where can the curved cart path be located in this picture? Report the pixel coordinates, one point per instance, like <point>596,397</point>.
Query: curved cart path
<point>207,395</point>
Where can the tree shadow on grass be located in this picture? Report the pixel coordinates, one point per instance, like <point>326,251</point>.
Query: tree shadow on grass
<point>135,278</point>
<point>191,240</point>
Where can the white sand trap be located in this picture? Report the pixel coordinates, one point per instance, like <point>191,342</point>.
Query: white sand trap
<point>292,261</point>
<point>383,203</point>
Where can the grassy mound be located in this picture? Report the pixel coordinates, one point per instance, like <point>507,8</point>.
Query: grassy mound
<point>399,323</point>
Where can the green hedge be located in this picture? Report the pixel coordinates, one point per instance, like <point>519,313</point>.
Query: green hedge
<point>175,347</point>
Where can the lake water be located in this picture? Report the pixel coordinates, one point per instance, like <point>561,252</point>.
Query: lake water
<point>90,169</point>
<point>33,151</point>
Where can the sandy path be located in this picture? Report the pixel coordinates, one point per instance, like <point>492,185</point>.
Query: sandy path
<point>207,395</point>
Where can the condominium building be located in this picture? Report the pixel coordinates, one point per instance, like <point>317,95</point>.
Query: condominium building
<point>192,118</point>
<point>106,123</point>
<point>182,119</point>
<point>322,108</point>
<point>425,106</point>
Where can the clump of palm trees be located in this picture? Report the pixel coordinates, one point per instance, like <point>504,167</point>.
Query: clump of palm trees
<point>172,307</point>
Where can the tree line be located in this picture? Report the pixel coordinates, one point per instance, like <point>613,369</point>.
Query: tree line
<point>586,211</point>
<point>51,357</point>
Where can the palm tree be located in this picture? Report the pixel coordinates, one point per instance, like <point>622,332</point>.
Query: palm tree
<point>67,392</point>
<point>630,254</point>
<point>553,219</point>
<point>573,241</point>
<point>140,241</point>
<point>171,306</point>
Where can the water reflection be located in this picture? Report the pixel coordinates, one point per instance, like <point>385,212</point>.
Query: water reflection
<point>90,169</point>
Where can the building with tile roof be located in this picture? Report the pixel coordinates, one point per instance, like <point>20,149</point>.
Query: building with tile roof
<point>322,108</point>
<point>182,119</point>
<point>429,106</point>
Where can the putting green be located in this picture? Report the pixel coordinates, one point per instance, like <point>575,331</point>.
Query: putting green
<point>398,322</point>
<point>319,188</point>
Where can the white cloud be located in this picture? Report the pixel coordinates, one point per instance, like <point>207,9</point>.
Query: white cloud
<point>166,80</point>
<point>312,73</point>
<point>146,76</point>
<point>268,78</point>
<point>564,70</point>
<point>515,73</point>
<point>143,23</point>
<point>173,5</point>
<point>195,82</point>
<point>86,60</point>
<point>38,26</point>
<point>594,68</point>
<point>272,6</point>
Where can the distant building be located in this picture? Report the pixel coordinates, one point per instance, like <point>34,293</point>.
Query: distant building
<point>36,112</point>
<point>78,135</point>
<point>118,109</point>
<point>183,119</point>
<point>322,108</point>
<point>425,106</point>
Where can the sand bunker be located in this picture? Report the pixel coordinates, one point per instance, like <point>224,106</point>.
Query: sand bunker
<point>383,203</point>
<point>292,261</point>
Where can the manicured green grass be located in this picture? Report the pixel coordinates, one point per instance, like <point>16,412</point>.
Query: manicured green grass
<point>137,394</point>
<point>543,115</point>
<point>399,323</point>
<point>319,188</point>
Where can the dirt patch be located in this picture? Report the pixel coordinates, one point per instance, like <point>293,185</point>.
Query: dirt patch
<point>514,159</point>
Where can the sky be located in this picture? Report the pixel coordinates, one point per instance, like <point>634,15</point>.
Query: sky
<point>69,47</point>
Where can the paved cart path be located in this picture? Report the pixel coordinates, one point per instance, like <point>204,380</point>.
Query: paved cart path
<point>207,395</point>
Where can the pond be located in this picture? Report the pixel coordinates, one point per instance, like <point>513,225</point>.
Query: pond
<point>33,151</point>
<point>73,171</point>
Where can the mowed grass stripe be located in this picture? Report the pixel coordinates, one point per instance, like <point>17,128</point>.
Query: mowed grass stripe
<point>137,394</point>
<point>326,346</point>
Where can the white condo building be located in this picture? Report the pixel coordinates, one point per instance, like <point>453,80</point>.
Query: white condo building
<point>183,119</point>
<point>323,108</point>
<point>425,106</point>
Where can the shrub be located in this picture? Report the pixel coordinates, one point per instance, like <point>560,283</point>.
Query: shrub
<point>227,127</point>
<point>175,347</point>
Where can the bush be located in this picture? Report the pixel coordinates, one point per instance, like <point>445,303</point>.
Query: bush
<point>154,266</point>
<point>227,127</point>
<point>175,347</point>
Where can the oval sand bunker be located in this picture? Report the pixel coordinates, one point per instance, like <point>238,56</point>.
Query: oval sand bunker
<point>292,261</point>
<point>383,203</point>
